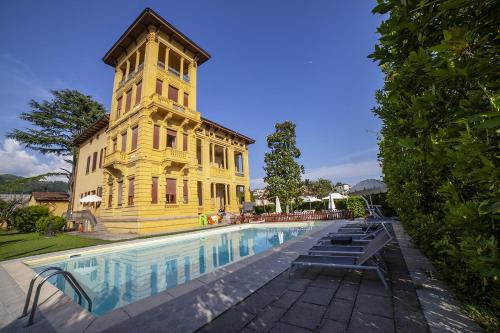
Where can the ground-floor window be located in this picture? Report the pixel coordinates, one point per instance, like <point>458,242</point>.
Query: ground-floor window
<point>200,194</point>
<point>170,191</point>
<point>185,192</point>
<point>131,191</point>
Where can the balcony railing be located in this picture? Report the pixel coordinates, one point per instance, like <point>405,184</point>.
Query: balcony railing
<point>172,154</point>
<point>239,174</point>
<point>178,107</point>
<point>218,172</point>
<point>116,157</point>
<point>161,64</point>
<point>186,77</point>
<point>174,71</point>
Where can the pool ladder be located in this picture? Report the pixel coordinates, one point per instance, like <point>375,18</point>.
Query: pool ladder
<point>57,271</point>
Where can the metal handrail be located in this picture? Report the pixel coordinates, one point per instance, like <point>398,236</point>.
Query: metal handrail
<point>71,280</point>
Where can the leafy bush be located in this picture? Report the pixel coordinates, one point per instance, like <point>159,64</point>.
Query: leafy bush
<point>313,206</point>
<point>43,223</point>
<point>267,209</point>
<point>440,108</point>
<point>357,205</point>
<point>25,218</point>
<point>341,204</point>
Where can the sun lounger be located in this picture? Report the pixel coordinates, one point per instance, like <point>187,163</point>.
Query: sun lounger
<point>361,262</point>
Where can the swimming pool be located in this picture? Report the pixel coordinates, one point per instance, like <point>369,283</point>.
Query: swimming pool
<point>117,277</point>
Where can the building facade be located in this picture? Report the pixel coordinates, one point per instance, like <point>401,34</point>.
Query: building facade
<point>164,164</point>
<point>57,202</point>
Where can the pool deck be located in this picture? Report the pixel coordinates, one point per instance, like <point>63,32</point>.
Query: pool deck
<point>253,294</point>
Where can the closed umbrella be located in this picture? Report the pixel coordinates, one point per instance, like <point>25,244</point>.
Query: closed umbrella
<point>331,203</point>
<point>278,206</point>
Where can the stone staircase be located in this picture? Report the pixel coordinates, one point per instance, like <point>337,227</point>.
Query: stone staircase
<point>86,215</point>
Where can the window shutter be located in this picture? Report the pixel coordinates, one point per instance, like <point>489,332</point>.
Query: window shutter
<point>184,141</point>
<point>171,191</point>
<point>94,161</point>
<point>128,101</point>
<point>138,91</point>
<point>131,190</point>
<point>173,93</point>
<point>124,142</point>
<point>185,191</point>
<point>159,86</point>
<point>154,190</point>
<point>87,170</point>
<point>134,138</point>
<point>186,99</point>
<point>156,137</point>
<point>119,108</point>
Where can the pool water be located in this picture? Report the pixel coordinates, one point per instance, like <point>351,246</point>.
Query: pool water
<point>116,278</point>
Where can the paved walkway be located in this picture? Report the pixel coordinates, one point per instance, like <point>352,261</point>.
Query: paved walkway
<point>330,301</point>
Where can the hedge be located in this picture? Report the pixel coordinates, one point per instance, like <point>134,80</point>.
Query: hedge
<point>25,218</point>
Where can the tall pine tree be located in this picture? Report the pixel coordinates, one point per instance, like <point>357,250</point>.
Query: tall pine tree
<point>56,123</point>
<point>283,173</point>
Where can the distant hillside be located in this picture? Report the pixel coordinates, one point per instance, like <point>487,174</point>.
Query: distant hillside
<point>37,186</point>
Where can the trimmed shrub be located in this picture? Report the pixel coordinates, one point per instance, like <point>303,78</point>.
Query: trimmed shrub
<point>357,205</point>
<point>267,209</point>
<point>25,218</point>
<point>43,223</point>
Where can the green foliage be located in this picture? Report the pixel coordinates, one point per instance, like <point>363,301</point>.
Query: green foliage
<point>271,208</point>
<point>42,223</point>
<point>8,185</point>
<point>319,188</point>
<point>341,204</point>
<point>440,108</point>
<point>313,205</point>
<point>357,205</point>
<point>283,173</point>
<point>25,218</point>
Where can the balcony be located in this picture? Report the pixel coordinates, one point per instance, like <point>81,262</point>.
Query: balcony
<point>116,157</point>
<point>239,174</point>
<point>219,172</point>
<point>179,156</point>
<point>174,71</point>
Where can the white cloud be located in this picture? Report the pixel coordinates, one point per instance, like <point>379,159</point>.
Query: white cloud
<point>350,173</point>
<point>14,159</point>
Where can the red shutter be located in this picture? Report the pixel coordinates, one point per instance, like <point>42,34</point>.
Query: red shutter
<point>124,142</point>
<point>94,161</point>
<point>154,190</point>
<point>128,101</point>
<point>159,86</point>
<point>88,165</point>
<point>173,93</point>
<point>110,195</point>
<point>186,99</point>
<point>185,191</point>
<point>138,91</point>
<point>171,191</point>
<point>100,158</point>
<point>185,142</point>
<point>131,190</point>
<point>156,137</point>
<point>134,138</point>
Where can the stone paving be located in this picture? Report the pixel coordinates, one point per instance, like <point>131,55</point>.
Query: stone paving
<point>325,300</point>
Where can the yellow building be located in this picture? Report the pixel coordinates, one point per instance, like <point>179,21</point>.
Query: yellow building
<point>56,201</point>
<point>164,163</point>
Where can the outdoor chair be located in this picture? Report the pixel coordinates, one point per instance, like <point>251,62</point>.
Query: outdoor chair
<point>363,262</point>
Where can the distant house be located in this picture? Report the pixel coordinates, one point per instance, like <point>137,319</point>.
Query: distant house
<point>56,201</point>
<point>260,198</point>
<point>342,188</point>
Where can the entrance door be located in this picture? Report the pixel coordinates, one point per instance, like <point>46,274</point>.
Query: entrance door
<point>220,195</point>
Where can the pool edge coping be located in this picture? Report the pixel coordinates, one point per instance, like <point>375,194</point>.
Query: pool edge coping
<point>54,304</point>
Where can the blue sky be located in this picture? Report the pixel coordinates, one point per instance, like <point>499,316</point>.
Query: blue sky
<point>303,61</point>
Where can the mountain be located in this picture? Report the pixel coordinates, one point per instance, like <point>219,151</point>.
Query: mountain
<point>35,186</point>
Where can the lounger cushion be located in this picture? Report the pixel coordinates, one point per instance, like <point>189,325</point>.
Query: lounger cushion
<point>341,240</point>
<point>325,260</point>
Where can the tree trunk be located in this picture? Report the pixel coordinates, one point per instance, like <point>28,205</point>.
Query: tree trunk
<point>71,184</point>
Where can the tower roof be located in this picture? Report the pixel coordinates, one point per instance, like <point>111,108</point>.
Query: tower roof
<point>142,22</point>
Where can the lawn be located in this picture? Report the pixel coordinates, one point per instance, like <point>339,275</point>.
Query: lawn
<point>16,245</point>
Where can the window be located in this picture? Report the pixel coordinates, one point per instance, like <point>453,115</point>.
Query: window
<point>185,193</point>
<point>88,165</point>
<point>210,153</point>
<point>171,139</point>
<point>94,161</point>
<point>200,193</point>
<point>156,137</point>
<point>238,162</point>
<point>124,142</point>
<point>170,191</point>
<point>110,195</point>
<point>99,191</point>
<point>184,141</point>
<point>115,144</point>
<point>100,158</point>
<point>228,195</point>
<point>159,86</point>
<point>120,193</point>
<point>154,190</point>
<point>173,93</point>
<point>119,108</point>
<point>198,151</point>
<point>128,101</point>
<point>134,138</point>
<point>131,189</point>
<point>186,99</point>
<point>240,193</point>
<point>138,91</point>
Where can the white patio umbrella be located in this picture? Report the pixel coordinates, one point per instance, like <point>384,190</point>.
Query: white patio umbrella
<point>367,188</point>
<point>278,206</point>
<point>335,196</point>
<point>310,199</point>
<point>331,203</point>
<point>91,198</point>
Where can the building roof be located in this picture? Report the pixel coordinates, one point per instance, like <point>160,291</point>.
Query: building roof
<point>50,196</point>
<point>219,126</point>
<point>92,130</point>
<point>146,18</point>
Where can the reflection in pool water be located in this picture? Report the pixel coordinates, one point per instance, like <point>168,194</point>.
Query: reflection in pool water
<point>117,278</point>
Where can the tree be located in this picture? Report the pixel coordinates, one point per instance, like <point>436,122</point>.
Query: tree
<point>440,108</point>
<point>283,173</point>
<point>319,188</point>
<point>56,123</point>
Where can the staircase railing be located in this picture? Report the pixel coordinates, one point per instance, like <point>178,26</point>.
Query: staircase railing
<point>57,271</point>
<point>82,215</point>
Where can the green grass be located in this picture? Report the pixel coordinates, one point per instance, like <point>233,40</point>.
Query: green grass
<point>16,245</point>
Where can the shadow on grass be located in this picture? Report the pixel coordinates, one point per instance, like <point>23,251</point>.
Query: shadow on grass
<point>27,253</point>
